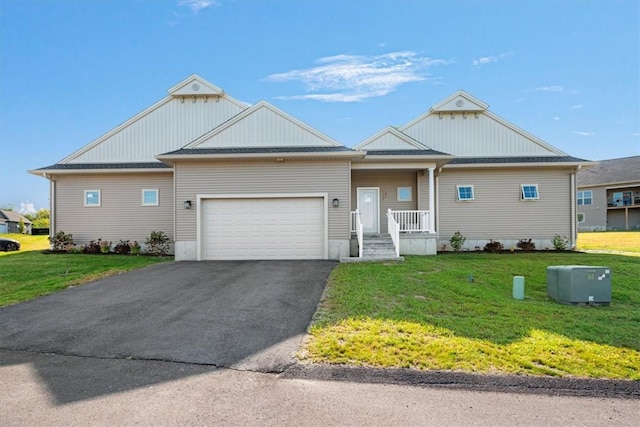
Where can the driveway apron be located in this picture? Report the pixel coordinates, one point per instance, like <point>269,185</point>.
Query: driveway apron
<point>248,315</point>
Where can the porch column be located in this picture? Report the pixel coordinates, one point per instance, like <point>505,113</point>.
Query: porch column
<point>432,204</point>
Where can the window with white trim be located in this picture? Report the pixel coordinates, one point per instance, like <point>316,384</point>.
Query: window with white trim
<point>92,198</point>
<point>529,192</point>
<point>581,217</point>
<point>404,194</point>
<point>465,192</point>
<point>585,197</point>
<point>150,197</point>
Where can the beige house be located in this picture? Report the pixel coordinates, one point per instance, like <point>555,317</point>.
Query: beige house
<point>608,195</point>
<point>226,180</point>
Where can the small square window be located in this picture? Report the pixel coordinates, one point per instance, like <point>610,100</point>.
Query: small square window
<point>581,217</point>
<point>530,192</point>
<point>465,192</point>
<point>92,198</point>
<point>404,194</point>
<point>585,197</point>
<point>150,197</point>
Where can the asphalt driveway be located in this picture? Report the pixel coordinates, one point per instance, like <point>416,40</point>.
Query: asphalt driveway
<point>247,315</point>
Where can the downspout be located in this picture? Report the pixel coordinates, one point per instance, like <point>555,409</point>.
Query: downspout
<point>52,205</point>
<point>574,239</point>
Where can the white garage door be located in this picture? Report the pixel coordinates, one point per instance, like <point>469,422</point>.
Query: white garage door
<point>269,228</point>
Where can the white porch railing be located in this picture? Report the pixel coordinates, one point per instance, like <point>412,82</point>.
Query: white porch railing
<point>393,229</point>
<point>409,221</point>
<point>356,223</point>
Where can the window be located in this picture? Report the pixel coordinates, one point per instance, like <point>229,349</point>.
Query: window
<point>465,192</point>
<point>150,197</point>
<point>581,217</point>
<point>404,194</point>
<point>585,197</point>
<point>530,192</point>
<point>92,198</point>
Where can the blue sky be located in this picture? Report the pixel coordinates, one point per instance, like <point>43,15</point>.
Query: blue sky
<point>565,71</point>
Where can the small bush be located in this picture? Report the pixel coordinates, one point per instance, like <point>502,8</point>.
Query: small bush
<point>76,250</point>
<point>122,248</point>
<point>135,248</point>
<point>493,247</point>
<point>62,241</point>
<point>526,245</point>
<point>92,247</point>
<point>560,243</point>
<point>457,240</point>
<point>105,246</point>
<point>157,243</point>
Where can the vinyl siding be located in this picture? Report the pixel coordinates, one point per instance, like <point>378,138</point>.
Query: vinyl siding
<point>388,182</point>
<point>389,141</point>
<point>497,211</point>
<point>169,127</point>
<point>596,213</point>
<point>482,136</point>
<point>121,214</point>
<point>193,178</point>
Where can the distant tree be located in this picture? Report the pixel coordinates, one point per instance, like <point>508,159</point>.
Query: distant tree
<point>21,226</point>
<point>7,208</point>
<point>40,219</point>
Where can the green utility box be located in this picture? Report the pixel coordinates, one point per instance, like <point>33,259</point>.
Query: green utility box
<point>579,284</point>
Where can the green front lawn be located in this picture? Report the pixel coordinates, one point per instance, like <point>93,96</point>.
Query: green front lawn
<point>428,314</point>
<point>25,275</point>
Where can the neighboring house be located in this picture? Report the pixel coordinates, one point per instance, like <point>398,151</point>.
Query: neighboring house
<point>229,181</point>
<point>10,222</point>
<point>608,195</point>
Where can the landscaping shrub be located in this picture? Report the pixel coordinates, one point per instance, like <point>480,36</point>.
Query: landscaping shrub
<point>122,248</point>
<point>62,241</point>
<point>493,247</point>
<point>157,243</point>
<point>105,246</point>
<point>526,245</point>
<point>457,240</point>
<point>561,243</point>
<point>135,248</point>
<point>92,247</point>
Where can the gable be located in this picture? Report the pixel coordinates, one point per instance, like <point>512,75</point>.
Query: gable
<point>460,101</point>
<point>390,139</point>
<point>263,125</point>
<point>165,126</point>
<point>474,133</point>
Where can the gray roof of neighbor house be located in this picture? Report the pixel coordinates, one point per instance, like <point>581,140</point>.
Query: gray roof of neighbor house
<point>626,169</point>
<point>258,150</point>
<point>405,153</point>
<point>13,217</point>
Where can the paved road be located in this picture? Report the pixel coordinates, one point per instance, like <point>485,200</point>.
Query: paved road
<point>38,389</point>
<point>242,314</point>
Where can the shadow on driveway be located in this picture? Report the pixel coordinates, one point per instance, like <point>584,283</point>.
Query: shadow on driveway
<point>248,315</point>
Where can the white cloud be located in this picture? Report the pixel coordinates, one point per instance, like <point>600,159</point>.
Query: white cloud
<point>354,78</point>
<point>556,118</point>
<point>27,208</point>
<point>581,133</point>
<point>197,5</point>
<point>576,107</point>
<point>549,89</point>
<point>489,59</point>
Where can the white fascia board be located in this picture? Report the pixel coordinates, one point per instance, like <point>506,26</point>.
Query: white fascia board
<point>390,129</point>
<point>50,172</point>
<point>246,156</point>
<point>514,165</point>
<point>525,134</point>
<point>387,165</point>
<point>262,104</point>
<point>116,130</point>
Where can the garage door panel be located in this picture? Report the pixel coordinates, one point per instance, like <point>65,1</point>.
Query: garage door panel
<point>269,228</point>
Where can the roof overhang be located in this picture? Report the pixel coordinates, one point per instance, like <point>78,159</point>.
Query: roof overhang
<point>521,164</point>
<point>224,155</point>
<point>83,169</point>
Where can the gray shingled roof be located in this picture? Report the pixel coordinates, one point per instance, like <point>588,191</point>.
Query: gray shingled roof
<point>259,150</point>
<point>405,153</point>
<point>528,159</point>
<point>626,169</point>
<point>81,166</point>
<point>13,216</point>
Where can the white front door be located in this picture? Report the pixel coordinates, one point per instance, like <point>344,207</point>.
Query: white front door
<point>369,207</point>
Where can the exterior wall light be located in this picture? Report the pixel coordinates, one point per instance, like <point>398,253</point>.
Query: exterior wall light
<point>336,203</point>
<point>187,204</point>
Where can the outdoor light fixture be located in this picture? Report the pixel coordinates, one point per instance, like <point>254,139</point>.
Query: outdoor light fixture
<point>187,204</point>
<point>336,203</point>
